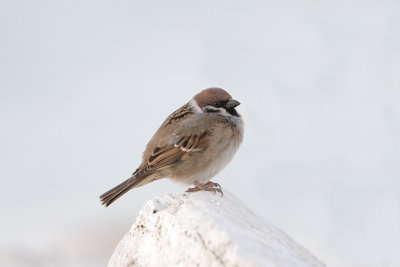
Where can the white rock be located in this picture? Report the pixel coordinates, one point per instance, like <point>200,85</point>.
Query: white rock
<point>203,229</point>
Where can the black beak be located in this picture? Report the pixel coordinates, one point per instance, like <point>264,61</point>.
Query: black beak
<point>232,104</point>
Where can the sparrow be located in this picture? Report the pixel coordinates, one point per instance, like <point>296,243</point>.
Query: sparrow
<point>191,146</point>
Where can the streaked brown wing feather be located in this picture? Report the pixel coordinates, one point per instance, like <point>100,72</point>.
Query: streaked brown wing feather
<point>178,115</point>
<point>166,156</point>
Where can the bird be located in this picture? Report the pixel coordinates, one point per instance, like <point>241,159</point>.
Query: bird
<point>191,146</point>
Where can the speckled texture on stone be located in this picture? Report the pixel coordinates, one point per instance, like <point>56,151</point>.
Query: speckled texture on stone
<point>203,229</point>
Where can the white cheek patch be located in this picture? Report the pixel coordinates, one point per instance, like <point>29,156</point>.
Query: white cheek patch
<point>214,110</point>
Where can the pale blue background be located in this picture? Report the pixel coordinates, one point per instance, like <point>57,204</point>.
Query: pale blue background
<point>84,85</point>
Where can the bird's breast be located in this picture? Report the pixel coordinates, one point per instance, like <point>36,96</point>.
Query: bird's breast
<point>224,141</point>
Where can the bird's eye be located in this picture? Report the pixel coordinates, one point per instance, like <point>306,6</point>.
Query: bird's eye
<point>217,104</point>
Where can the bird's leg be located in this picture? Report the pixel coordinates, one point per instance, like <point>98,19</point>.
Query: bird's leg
<point>209,186</point>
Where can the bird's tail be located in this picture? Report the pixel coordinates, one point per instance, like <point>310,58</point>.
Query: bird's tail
<point>113,194</point>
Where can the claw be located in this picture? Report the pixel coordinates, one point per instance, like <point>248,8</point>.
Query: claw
<point>209,186</point>
<point>193,189</point>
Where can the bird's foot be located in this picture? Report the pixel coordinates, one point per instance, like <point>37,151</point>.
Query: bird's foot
<point>209,186</point>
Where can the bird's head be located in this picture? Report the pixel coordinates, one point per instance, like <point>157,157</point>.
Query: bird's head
<point>216,101</point>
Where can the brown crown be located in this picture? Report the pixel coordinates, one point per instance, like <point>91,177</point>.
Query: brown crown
<point>210,96</point>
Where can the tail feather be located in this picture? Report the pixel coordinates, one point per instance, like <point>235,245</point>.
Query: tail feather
<point>113,194</point>
<point>116,192</point>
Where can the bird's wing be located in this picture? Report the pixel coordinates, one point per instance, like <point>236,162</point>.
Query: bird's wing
<point>180,114</point>
<point>164,156</point>
<point>182,133</point>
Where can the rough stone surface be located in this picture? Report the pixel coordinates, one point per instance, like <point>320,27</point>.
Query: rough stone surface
<point>203,229</point>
